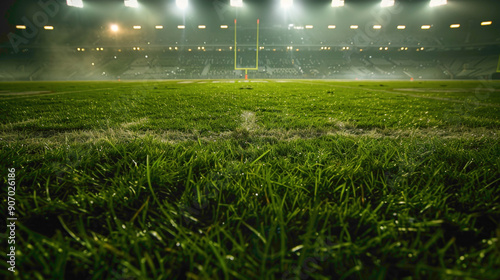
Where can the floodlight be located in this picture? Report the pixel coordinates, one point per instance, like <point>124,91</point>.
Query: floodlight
<point>484,23</point>
<point>20,26</point>
<point>455,25</point>
<point>202,26</point>
<point>387,3</point>
<point>337,3</point>
<point>224,27</point>
<point>332,26</point>
<point>75,3</point>
<point>426,27</point>
<point>181,26</point>
<point>137,27</point>
<point>401,27</point>
<point>354,27</point>
<point>182,4</point>
<point>286,3</point>
<point>48,27</point>
<point>114,27</point>
<point>309,26</point>
<point>237,3</point>
<point>131,3</point>
<point>377,26</point>
<point>159,27</point>
<point>435,3</point>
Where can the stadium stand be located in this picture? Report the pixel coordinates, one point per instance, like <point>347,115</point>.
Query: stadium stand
<point>273,63</point>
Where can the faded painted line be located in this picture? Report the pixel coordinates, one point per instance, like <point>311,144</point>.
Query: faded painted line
<point>120,134</point>
<point>7,93</point>
<point>55,93</point>
<point>406,94</point>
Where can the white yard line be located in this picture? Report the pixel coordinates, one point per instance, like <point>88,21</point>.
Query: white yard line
<point>54,93</point>
<point>407,94</point>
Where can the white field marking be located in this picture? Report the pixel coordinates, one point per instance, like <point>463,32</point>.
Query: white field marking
<point>23,93</point>
<point>173,137</point>
<point>282,81</point>
<point>58,93</point>
<point>215,82</point>
<point>449,90</point>
<point>11,125</point>
<point>202,82</point>
<point>138,122</point>
<point>407,94</point>
<point>185,82</point>
<point>259,82</point>
<point>248,120</point>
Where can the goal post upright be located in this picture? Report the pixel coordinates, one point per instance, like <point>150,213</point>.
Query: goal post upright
<point>236,50</point>
<point>235,45</point>
<point>498,66</point>
<point>257,48</point>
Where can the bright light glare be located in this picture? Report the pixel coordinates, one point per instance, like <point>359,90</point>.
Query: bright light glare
<point>332,26</point>
<point>182,4</point>
<point>354,27</point>
<point>484,23</point>
<point>137,27</point>
<point>75,3</point>
<point>377,26</point>
<point>237,3</point>
<point>114,27</point>
<point>401,27</point>
<point>202,26</point>
<point>181,26</point>
<point>455,25</point>
<point>224,27</point>
<point>48,27</point>
<point>131,3</point>
<point>337,3</point>
<point>159,27</point>
<point>426,27</point>
<point>309,26</point>
<point>21,26</point>
<point>387,3</point>
<point>435,3</point>
<point>286,3</point>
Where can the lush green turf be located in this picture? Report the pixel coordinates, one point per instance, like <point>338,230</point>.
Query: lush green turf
<point>264,180</point>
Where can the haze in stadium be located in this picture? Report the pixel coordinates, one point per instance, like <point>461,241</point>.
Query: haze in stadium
<point>250,139</point>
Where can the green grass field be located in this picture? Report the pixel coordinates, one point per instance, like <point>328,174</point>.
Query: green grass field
<point>259,180</point>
